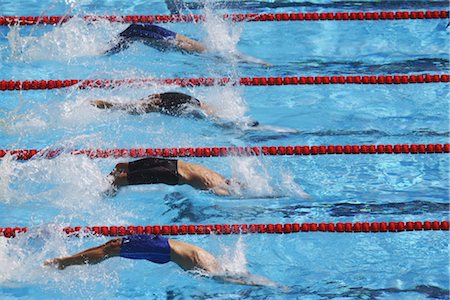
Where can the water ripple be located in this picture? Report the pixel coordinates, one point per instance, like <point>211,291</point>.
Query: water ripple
<point>176,6</point>
<point>183,209</point>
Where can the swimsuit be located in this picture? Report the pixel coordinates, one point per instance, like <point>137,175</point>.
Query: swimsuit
<point>148,31</point>
<point>175,104</point>
<point>151,247</point>
<point>153,170</point>
<point>156,36</point>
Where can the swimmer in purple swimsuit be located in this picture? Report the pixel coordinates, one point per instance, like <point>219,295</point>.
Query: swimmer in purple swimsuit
<point>157,37</point>
<point>164,39</point>
<point>160,250</point>
<point>152,170</point>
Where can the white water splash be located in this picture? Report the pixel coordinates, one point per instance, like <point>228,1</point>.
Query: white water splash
<point>255,180</point>
<point>226,103</point>
<point>232,259</point>
<point>21,262</point>
<point>73,184</point>
<point>222,36</point>
<point>75,38</point>
<point>253,177</point>
<point>290,187</point>
<point>234,266</point>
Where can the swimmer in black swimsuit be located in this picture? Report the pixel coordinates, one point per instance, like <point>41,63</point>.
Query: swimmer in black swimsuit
<point>152,170</point>
<point>173,104</point>
<point>161,250</point>
<point>164,39</point>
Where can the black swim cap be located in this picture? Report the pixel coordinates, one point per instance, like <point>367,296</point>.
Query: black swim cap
<point>178,98</point>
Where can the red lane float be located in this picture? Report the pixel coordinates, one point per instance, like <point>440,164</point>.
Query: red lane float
<point>245,228</point>
<point>234,151</point>
<point>264,17</point>
<point>11,85</point>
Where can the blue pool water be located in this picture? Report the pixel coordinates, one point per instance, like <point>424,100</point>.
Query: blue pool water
<point>47,195</point>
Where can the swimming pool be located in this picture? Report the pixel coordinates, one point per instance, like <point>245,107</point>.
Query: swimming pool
<point>46,195</point>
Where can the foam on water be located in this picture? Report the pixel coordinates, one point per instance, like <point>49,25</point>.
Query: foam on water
<point>227,103</point>
<point>21,262</point>
<point>257,178</point>
<point>75,38</point>
<point>232,257</point>
<point>73,184</point>
<point>222,36</point>
<point>5,177</point>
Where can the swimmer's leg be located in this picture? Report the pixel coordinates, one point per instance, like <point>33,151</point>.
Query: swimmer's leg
<point>90,256</point>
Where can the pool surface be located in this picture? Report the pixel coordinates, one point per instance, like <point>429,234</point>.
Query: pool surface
<point>47,195</point>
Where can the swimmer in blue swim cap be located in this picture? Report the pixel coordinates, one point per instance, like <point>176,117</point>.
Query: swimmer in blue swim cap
<point>163,39</point>
<point>173,104</point>
<point>153,170</point>
<point>160,250</point>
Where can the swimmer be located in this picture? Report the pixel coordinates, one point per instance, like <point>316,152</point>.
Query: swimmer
<point>173,104</point>
<point>152,170</point>
<point>157,37</point>
<point>164,39</point>
<point>160,250</point>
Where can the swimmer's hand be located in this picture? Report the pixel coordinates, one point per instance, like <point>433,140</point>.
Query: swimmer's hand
<point>112,189</point>
<point>249,279</point>
<point>221,191</point>
<point>55,263</point>
<point>253,60</point>
<point>229,187</point>
<point>305,195</point>
<point>101,104</point>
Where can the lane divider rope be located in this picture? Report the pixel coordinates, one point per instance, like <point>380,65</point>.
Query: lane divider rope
<point>357,227</point>
<point>25,154</point>
<point>11,85</point>
<point>251,17</point>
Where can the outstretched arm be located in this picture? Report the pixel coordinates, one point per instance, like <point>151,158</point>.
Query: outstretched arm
<point>104,104</point>
<point>248,279</point>
<point>132,108</point>
<point>252,60</point>
<point>89,256</point>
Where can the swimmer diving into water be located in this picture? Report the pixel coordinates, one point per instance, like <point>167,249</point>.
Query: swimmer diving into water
<point>164,39</point>
<point>152,170</point>
<point>173,104</point>
<point>160,250</point>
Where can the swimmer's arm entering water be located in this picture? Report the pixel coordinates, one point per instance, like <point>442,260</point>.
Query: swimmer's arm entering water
<point>252,60</point>
<point>202,178</point>
<point>249,279</point>
<point>192,258</point>
<point>132,108</point>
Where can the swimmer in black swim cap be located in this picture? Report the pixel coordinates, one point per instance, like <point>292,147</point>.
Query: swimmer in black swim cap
<point>171,103</point>
<point>153,170</point>
<point>164,39</point>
